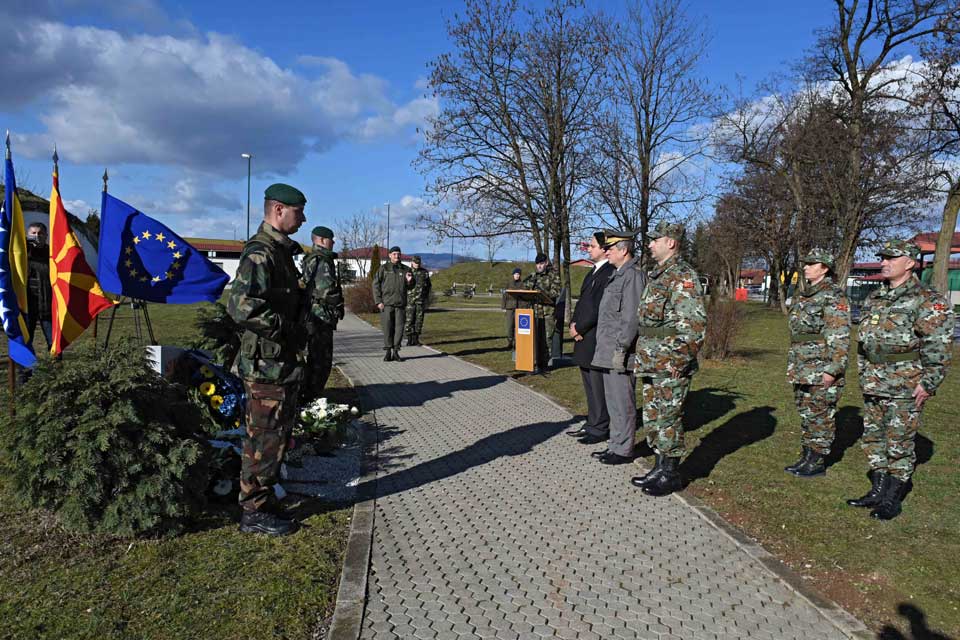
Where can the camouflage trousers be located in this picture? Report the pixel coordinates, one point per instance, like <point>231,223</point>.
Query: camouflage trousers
<point>890,428</point>
<point>818,409</point>
<point>662,410</point>
<point>319,363</point>
<point>415,314</point>
<point>270,414</point>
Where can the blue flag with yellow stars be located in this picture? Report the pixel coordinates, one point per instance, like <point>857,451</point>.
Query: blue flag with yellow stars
<point>143,259</point>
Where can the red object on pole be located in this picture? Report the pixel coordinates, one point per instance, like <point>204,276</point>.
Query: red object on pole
<point>740,295</point>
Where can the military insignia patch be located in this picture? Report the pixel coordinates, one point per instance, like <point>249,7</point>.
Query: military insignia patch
<point>843,307</point>
<point>939,307</point>
<point>688,284</point>
<point>875,319</point>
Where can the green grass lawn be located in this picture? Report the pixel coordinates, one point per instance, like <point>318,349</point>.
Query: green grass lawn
<point>743,429</point>
<point>211,582</point>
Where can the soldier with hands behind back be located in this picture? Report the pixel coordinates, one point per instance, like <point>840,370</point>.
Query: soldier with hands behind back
<point>417,300</point>
<point>323,299</point>
<point>266,301</point>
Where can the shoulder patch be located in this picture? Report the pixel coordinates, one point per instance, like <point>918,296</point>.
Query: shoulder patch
<point>689,284</point>
<point>843,307</point>
<point>939,306</point>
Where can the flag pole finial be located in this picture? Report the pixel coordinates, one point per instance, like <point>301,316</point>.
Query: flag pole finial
<point>8,144</point>
<point>56,160</point>
<point>105,178</point>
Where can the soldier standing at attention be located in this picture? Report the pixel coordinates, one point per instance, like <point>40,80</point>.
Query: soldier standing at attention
<point>509,304</point>
<point>265,300</point>
<point>546,280</point>
<point>417,300</point>
<point>672,323</point>
<point>817,360</point>
<point>323,297</point>
<point>390,287</point>
<point>903,354</point>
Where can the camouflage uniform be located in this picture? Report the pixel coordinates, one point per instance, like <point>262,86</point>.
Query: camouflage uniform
<point>509,304</point>
<point>672,322</point>
<point>265,300</point>
<point>323,298</point>
<point>417,300</point>
<point>905,340</point>
<point>819,343</point>
<point>549,282</point>
<point>390,288</point>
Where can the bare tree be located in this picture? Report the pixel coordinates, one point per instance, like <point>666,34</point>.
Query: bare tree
<point>360,231</point>
<point>652,132</point>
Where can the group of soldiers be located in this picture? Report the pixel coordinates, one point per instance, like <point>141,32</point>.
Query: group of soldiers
<point>631,323</point>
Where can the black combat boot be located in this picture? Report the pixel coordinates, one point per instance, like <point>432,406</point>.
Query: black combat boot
<point>872,497</point>
<point>650,476</point>
<point>813,466</point>
<point>388,356</point>
<point>416,339</point>
<point>799,463</point>
<point>668,481</point>
<point>890,498</point>
<point>396,356</point>
<point>268,523</point>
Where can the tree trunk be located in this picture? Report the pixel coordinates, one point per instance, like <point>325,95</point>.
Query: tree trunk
<point>941,260</point>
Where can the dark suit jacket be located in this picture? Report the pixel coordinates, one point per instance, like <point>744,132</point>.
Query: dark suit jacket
<point>585,314</point>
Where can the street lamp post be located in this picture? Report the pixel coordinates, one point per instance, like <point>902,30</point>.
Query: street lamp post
<point>249,157</point>
<point>387,205</point>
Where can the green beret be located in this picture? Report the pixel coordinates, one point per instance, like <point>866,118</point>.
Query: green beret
<point>284,193</point>
<point>323,232</point>
<point>665,229</point>
<point>416,259</point>
<point>895,248</point>
<point>819,255</point>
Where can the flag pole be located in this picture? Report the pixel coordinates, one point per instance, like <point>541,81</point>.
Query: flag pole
<point>56,175</point>
<point>11,365</point>
<point>96,318</point>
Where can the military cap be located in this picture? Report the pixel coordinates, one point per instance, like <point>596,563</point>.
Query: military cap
<point>394,248</point>
<point>323,232</point>
<point>541,257</point>
<point>416,259</point>
<point>517,270</point>
<point>284,193</point>
<point>665,229</point>
<point>612,237</point>
<point>895,248</point>
<point>820,255</point>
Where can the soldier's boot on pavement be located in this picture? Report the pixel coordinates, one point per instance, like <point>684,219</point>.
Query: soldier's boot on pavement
<point>814,465</point>
<point>650,476</point>
<point>890,499</point>
<point>870,498</point>
<point>388,356</point>
<point>265,522</point>
<point>799,463</point>
<point>396,356</point>
<point>668,481</point>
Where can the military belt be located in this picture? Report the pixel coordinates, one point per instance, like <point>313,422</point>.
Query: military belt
<point>656,332</point>
<point>887,358</point>
<point>807,337</point>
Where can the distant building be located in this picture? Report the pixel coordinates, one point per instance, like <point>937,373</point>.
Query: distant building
<point>356,262</point>
<point>223,253</point>
<point>753,277</point>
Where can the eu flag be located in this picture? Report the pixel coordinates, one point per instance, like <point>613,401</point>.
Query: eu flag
<point>143,259</point>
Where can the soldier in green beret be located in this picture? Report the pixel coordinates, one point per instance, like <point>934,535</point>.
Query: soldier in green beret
<point>265,300</point>
<point>904,349</point>
<point>672,323</point>
<point>323,299</point>
<point>418,298</point>
<point>547,280</point>
<point>390,287</point>
<point>819,346</point>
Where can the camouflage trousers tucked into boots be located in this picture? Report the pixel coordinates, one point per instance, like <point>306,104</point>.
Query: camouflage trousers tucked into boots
<point>889,434</point>
<point>818,410</point>
<point>270,413</point>
<point>414,326</point>
<point>319,363</point>
<point>662,409</point>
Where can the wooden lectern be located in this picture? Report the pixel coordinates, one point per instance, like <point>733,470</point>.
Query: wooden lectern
<point>524,326</point>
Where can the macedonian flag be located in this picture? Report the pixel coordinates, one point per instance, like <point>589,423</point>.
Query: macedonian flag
<point>77,296</point>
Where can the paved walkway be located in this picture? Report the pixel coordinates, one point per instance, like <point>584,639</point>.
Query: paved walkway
<point>491,523</point>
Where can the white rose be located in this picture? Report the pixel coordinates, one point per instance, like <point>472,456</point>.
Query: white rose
<point>322,403</point>
<point>304,415</point>
<point>354,411</point>
<point>321,414</point>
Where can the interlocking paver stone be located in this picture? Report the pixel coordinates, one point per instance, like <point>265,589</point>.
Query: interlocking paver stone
<point>490,520</point>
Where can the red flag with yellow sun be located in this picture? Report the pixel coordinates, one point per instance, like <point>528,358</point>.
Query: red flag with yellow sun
<point>77,296</point>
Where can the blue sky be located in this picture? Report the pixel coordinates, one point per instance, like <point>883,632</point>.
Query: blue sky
<point>326,95</point>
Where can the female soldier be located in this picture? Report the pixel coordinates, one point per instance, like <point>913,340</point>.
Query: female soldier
<point>819,346</point>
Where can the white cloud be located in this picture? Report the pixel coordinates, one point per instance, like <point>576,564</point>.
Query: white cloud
<point>194,102</point>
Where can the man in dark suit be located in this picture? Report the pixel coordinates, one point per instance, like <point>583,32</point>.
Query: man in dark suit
<point>583,330</point>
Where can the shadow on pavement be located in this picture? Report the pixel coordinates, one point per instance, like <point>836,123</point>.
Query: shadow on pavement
<point>436,342</point>
<point>740,431</point>
<point>414,394</point>
<point>918,626</point>
<point>514,442</point>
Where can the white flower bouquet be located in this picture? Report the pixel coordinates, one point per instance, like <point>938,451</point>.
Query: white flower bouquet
<point>324,423</point>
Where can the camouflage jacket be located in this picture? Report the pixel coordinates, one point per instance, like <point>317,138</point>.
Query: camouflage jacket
<point>265,300</point>
<point>671,320</point>
<point>507,301</point>
<point>420,293</point>
<point>390,285</point>
<point>321,285</point>
<point>819,334</point>
<point>549,283</point>
<point>905,340</point>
